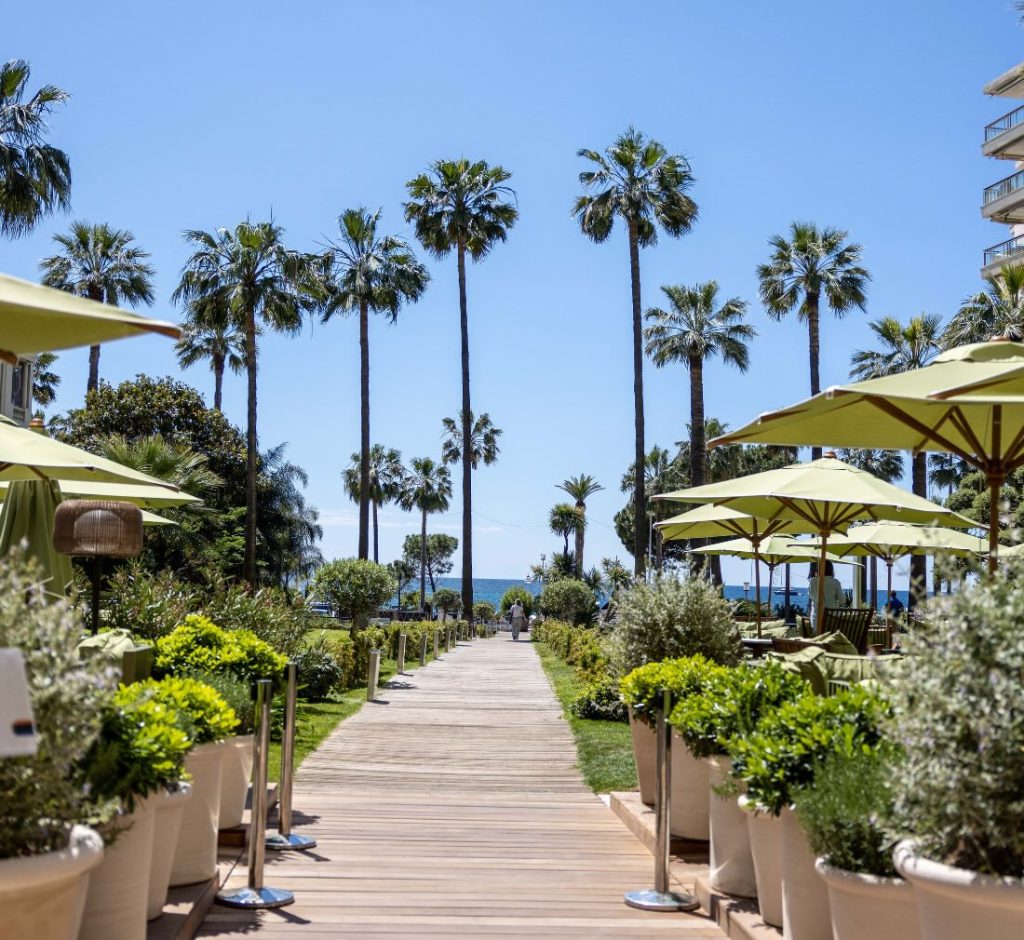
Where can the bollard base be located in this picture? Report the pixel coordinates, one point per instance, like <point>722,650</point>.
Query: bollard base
<point>651,900</point>
<point>280,843</point>
<point>255,898</point>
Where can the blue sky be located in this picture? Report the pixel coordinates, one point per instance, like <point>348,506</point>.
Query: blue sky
<point>195,115</point>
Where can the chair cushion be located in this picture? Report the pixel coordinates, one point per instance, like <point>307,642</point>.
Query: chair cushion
<point>807,665</point>
<point>836,642</point>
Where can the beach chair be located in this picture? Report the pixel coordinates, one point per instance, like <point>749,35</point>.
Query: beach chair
<point>852,622</point>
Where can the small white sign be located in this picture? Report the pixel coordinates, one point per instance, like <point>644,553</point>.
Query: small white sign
<point>17,727</point>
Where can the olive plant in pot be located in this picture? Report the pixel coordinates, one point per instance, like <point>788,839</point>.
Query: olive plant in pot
<point>959,716</point>
<point>728,708</point>
<point>668,619</point>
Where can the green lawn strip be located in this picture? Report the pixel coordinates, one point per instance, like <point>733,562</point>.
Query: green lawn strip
<point>603,748</point>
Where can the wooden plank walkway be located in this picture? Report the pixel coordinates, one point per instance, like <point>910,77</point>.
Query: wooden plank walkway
<point>455,810</point>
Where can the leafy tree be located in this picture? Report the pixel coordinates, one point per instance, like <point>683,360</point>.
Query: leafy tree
<point>483,440</point>
<point>386,472</point>
<point>262,282</point>
<point>639,182</point>
<point>35,177</point>
<point>369,273</point>
<point>440,548</point>
<point>810,265</point>
<point>445,600</point>
<point>209,333</point>
<point>484,611</point>
<point>466,208</point>
<point>103,264</point>
<point>426,487</point>
<point>570,600</point>
<point>580,488</point>
<point>353,586</point>
<point>404,572</point>
<point>517,593</point>
<point>565,520</point>
<point>996,311</point>
<point>44,380</point>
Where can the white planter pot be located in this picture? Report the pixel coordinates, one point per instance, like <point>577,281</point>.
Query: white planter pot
<point>195,858</point>
<point>645,749</point>
<point>115,906</point>
<point>956,903</point>
<point>167,824</point>
<point>732,868</point>
<point>765,831</point>
<point>42,896</point>
<point>866,907</point>
<point>234,784</point>
<point>805,911</point>
<point>689,813</point>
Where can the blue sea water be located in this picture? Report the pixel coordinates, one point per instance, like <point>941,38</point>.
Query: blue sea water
<point>797,595</point>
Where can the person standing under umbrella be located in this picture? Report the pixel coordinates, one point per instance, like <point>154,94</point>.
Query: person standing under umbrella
<point>834,596</point>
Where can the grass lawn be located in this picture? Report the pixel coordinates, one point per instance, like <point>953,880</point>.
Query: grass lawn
<point>603,748</point>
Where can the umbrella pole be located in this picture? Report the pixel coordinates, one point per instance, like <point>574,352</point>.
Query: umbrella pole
<point>757,587</point>
<point>995,484</point>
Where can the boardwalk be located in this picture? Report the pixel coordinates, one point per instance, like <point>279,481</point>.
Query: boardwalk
<point>455,810</point>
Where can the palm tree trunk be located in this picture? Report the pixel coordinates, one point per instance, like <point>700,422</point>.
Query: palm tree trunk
<point>364,431</point>
<point>580,531</point>
<point>640,534</point>
<point>94,369</point>
<point>467,447</point>
<point>918,563</point>
<point>699,455</point>
<point>814,342</point>
<point>423,562</point>
<point>218,381</point>
<point>376,534</point>
<point>249,560</point>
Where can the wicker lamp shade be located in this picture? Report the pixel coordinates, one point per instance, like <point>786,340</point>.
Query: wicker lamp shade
<point>97,527</point>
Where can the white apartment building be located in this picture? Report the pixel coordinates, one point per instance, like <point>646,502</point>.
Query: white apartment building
<point>1003,202</point>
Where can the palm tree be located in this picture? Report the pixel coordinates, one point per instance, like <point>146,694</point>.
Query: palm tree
<point>638,181</point>
<point>44,380</point>
<point>427,487</point>
<point>386,475</point>
<point>101,263</point>
<point>374,273</point>
<point>35,178</point>
<point>996,311</point>
<point>565,520</point>
<point>694,329</point>
<point>580,488</point>
<point>811,265</point>
<point>249,269</point>
<point>289,526</point>
<point>947,472</point>
<point>465,207</point>
<point>166,460</point>
<point>483,440</point>
<point>210,333</point>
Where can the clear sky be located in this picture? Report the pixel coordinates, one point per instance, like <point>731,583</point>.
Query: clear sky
<point>865,116</point>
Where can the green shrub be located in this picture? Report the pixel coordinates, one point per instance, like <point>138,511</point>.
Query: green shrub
<point>517,593</point>
<point>447,600</point>
<point>363,641</point>
<point>319,672</point>
<point>484,610</point>
<point>202,714</point>
<point>569,599</point>
<point>146,604</point>
<point>268,613</point>
<point>599,700</point>
<point>199,645</point>
<point>670,619</point>
<point>353,586</point>
<point>642,689</point>
<point>578,646</point>
<point>239,695</point>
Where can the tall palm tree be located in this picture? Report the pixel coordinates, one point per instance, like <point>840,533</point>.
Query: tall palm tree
<point>694,329</point>
<point>903,348</point>
<point>466,208</point>
<point>427,487</point>
<point>249,269</point>
<point>809,266</point>
<point>386,476</point>
<point>101,263</point>
<point>580,488</point>
<point>44,380</point>
<point>996,311</point>
<point>565,520</point>
<point>638,181</point>
<point>369,273</point>
<point>210,333</point>
<point>35,178</point>
<point>483,441</point>
<point>946,472</point>
<point>289,526</point>
<point>166,460</point>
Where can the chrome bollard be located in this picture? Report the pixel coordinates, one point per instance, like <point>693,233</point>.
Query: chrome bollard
<point>436,641</point>
<point>372,675</point>
<point>423,649</point>
<point>256,895</point>
<point>661,898</point>
<point>401,653</point>
<point>284,838</point>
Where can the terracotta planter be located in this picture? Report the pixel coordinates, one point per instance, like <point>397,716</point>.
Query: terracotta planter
<point>195,858</point>
<point>43,896</point>
<point>805,910</point>
<point>234,784</point>
<point>953,903</point>
<point>645,749</point>
<point>115,906</point>
<point>732,867</point>
<point>765,831</point>
<point>167,824</point>
<point>866,907</point>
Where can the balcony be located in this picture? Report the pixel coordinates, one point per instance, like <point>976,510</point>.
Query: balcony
<point>998,256</point>
<point>1004,201</point>
<point>1004,138</point>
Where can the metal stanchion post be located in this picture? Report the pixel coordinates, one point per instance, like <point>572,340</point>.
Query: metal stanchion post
<point>401,653</point>
<point>256,895</point>
<point>436,642</point>
<point>373,674</point>
<point>661,898</point>
<point>423,649</point>
<point>284,838</point>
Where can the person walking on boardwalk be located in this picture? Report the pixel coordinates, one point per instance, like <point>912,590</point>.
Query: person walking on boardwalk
<point>518,617</point>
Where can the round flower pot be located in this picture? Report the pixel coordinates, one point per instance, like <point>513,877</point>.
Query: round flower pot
<point>195,858</point>
<point>645,749</point>
<point>805,911</point>
<point>166,826</point>
<point>42,896</point>
<point>234,784</point>
<point>115,906</point>
<point>689,799</point>
<point>732,867</point>
<point>957,903</point>
<point>866,907</point>
<point>765,831</point>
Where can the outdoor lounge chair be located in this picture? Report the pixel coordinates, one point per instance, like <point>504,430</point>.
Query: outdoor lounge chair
<point>852,622</point>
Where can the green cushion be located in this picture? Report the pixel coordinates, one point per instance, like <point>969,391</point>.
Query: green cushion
<point>111,644</point>
<point>836,642</point>
<point>807,665</point>
<point>768,628</point>
<point>854,669</point>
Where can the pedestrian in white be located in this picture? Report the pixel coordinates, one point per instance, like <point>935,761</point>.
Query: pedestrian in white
<point>518,617</point>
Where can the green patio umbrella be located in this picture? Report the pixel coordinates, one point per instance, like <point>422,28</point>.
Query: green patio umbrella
<point>27,516</point>
<point>151,518</point>
<point>143,495</point>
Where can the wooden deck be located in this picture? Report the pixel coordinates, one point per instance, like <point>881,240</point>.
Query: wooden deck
<point>455,810</point>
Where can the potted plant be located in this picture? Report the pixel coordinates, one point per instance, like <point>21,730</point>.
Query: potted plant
<point>45,853</point>
<point>843,814</point>
<point>728,708</point>
<point>958,715</point>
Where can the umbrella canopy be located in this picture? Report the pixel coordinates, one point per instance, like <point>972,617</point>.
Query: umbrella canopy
<point>151,518</point>
<point>36,319</point>
<point>907,412</point>
<point>27,516</point>
<point>773,551</point>
<point>145,496</point>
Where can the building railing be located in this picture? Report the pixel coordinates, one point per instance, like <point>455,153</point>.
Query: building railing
<point>1004,187</point>
<point>1005,123</point>
<point>1007,249</point>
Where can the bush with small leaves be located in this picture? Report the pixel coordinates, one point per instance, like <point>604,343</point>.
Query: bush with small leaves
<point>319,673</point>
<point>484,611</point>
<point>148,605</point>
<point>446,600</point>
<point>353,586</point>
<point>202,714</point>
<point>642,690</point>
<point>570,600</point>
<point>599,700</point>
